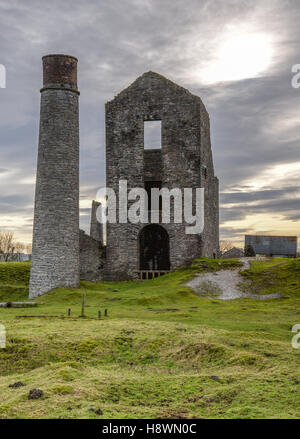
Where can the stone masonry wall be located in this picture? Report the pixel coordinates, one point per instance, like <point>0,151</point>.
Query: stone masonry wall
<point>92,257</point>
<point>185,154</point>
<point>210,235</point>
<point>96,230</point>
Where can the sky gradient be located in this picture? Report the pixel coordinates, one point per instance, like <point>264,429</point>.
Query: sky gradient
<point>236,55</point>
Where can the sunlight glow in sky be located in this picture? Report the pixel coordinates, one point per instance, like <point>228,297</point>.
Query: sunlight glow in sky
<point>242,55</point>
<point>274,176</point>
<point>264,224</point>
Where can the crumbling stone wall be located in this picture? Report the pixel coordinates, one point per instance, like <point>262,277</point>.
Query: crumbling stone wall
<point>210,235</point>
<point>96,230</point>
<point>185,160</point>
<point>92,258</point>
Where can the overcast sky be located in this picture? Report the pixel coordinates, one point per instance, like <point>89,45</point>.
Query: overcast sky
<point>236,55</point>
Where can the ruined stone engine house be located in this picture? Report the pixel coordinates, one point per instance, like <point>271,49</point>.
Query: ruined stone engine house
<point>180,158</point>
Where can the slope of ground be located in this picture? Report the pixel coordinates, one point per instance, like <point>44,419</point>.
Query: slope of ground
<point>162,351</point>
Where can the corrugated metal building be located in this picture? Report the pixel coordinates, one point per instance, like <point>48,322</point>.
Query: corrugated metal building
<point>273,245</point>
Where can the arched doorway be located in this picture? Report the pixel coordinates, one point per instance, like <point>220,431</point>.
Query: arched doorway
<point>154,248</point>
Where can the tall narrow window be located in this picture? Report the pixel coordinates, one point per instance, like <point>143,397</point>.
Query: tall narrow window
<point>152,134</point>
<point>151,185</point>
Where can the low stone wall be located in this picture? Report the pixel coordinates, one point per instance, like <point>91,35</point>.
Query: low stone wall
<point>92,258</point>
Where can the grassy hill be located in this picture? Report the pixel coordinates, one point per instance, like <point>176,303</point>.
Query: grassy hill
<point>162,352</point>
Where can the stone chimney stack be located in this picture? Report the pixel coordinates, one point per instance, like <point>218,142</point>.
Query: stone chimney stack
<point>55,253</point>
<point>96,230</point>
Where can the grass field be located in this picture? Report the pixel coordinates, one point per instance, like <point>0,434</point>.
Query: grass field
<point>162,352</point>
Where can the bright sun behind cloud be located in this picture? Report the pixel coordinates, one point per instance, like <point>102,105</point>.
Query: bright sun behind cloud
<point>240,56</point>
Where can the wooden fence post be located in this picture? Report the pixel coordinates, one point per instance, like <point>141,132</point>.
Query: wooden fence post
<point>83,305</point>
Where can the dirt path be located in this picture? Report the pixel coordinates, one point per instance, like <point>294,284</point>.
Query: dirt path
<point>223,285</point>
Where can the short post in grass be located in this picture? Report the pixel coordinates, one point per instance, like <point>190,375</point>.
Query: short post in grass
<point>99,315</point>
<point>69,312</point>
<point>105,313</point>
<point>83,306</point>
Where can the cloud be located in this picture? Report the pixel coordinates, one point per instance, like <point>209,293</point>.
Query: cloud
<point>254,120</point>
<point>243,197</point>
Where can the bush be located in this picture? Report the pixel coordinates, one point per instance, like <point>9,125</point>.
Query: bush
<point>249,251</point>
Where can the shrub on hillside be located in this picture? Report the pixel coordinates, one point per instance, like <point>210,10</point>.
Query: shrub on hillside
<point>249,251</point>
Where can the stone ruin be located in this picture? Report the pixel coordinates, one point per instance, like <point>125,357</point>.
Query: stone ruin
<point>63,254</point>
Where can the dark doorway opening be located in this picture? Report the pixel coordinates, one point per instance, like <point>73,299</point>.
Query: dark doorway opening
<point>154,248</point>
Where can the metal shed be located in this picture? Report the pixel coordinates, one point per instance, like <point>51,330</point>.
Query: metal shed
<point>273,245</point>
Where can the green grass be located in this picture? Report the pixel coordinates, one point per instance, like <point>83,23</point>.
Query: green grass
<point>162,352</point>
<point>14,273</point>
<point>275,275</point>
